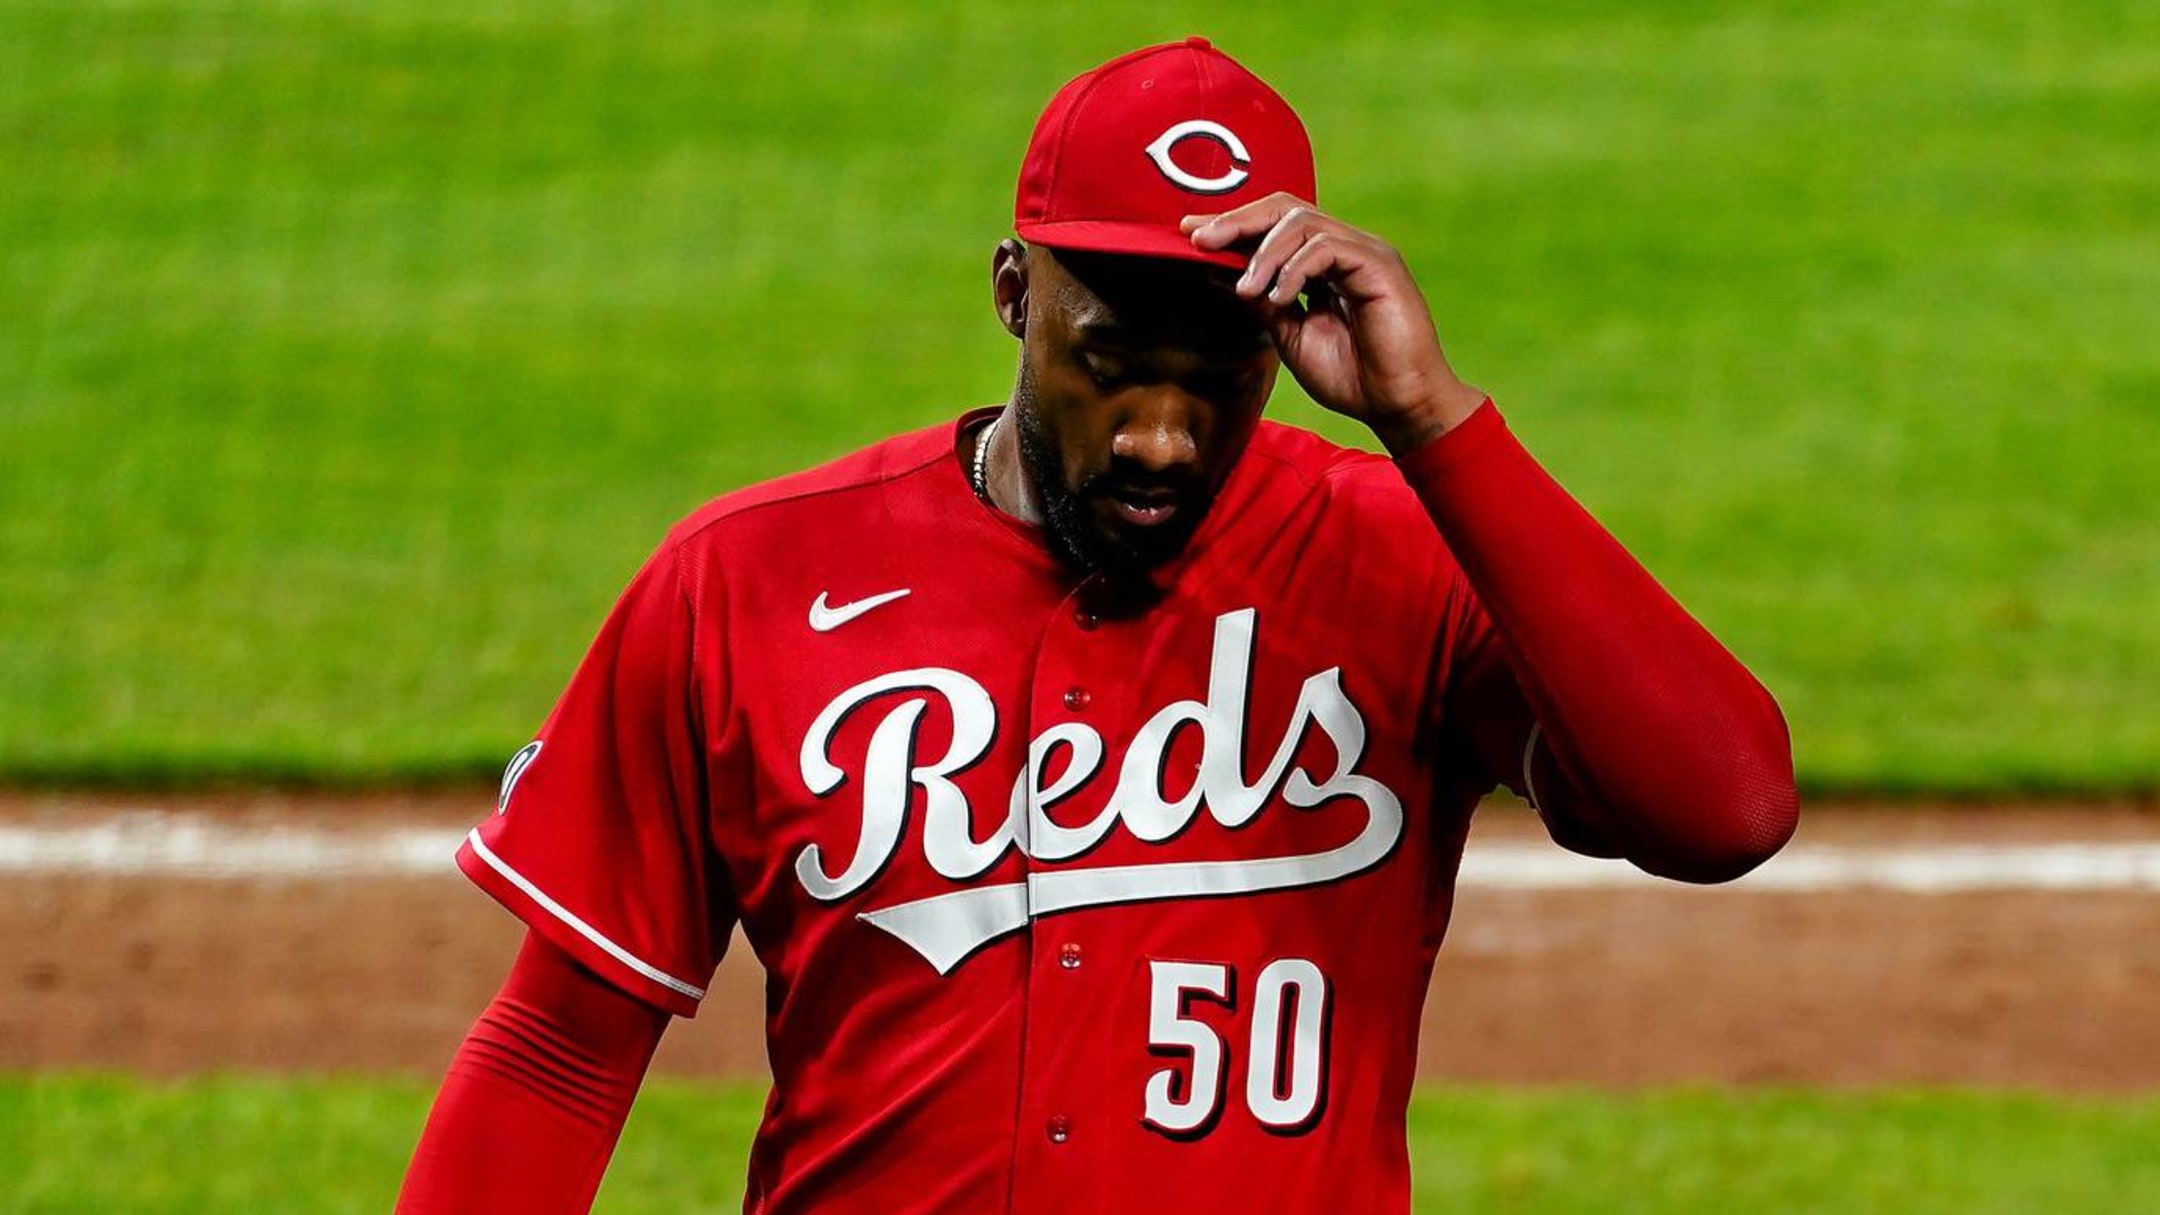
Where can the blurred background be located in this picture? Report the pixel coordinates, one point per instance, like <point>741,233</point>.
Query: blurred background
<point>352,356</point>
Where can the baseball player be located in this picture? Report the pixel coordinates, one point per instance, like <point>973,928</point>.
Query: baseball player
<point>1090,773</point>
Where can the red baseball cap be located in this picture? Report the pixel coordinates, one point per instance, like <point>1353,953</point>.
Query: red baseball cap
<point>1125,151</point>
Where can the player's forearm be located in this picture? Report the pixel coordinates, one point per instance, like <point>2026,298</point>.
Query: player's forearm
<point>493,1146</point>
<point>536,1097</point>
<point>1682,755</point>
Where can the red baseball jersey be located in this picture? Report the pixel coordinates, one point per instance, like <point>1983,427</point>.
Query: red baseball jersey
<point>1069,899</point>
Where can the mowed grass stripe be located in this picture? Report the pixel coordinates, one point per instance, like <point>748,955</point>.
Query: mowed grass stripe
<point>351,356</point>
<point>318,1146</point>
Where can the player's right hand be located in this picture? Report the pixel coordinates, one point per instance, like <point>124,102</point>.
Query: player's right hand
<point>1362,342</point>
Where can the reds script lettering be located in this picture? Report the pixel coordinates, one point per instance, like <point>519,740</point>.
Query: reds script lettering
<point>947,928</point>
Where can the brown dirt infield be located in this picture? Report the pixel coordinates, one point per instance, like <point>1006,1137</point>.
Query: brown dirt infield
<point>1651,985</point>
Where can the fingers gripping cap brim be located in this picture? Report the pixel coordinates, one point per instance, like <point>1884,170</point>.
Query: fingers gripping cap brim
<point>1137,239</point>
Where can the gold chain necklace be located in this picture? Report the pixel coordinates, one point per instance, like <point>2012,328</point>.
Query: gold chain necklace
<point>981,478</point>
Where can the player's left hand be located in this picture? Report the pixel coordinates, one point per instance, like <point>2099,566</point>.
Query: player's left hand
<point>1362,342</point>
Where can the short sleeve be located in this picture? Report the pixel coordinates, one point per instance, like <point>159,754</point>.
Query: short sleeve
<point>1488,729</point>
<point>1483,720</point>
<point>599,839</point>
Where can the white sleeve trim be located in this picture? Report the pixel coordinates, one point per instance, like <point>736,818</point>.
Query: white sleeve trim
<point>582,928</point>
<point>1529,753</point>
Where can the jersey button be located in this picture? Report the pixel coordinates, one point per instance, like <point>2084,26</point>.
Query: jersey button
<point>1069,956</point>
<point>1060,1128</point>
<point>1087,620</point>
<point>1076,699</point>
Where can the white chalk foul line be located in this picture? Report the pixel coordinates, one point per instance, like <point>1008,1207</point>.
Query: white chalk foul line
<point>1915,869</point>
<point>154,844</point>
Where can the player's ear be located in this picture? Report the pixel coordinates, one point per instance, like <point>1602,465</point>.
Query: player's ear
<point>1009,285</point>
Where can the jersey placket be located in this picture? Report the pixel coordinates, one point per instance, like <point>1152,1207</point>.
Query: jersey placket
<point>1082,675</point>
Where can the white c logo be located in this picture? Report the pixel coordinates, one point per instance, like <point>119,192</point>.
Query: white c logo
<point>1159,152</point>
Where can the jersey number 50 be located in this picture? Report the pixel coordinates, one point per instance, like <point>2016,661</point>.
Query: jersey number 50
<point>1285,1069</point>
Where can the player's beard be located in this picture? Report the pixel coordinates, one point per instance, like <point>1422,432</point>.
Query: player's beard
<point>1077,535</point>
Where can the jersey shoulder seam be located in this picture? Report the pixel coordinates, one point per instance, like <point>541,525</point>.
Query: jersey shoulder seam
<point>722,514</point>
<point>1342,462</point>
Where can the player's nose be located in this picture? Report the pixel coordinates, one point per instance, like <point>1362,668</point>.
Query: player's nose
<point>1158,438</point>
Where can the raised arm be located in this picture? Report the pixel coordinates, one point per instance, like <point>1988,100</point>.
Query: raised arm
<point>536,1097</point>
<point>1644,738</point>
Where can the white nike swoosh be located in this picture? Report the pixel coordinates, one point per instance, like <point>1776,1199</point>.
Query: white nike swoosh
<point>825,619</point>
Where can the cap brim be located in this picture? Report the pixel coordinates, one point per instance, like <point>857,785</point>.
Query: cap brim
<point>1137,239</point>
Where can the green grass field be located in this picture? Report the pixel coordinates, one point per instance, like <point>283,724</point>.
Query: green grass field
<point>352,355</point>
<point>317,1147</point>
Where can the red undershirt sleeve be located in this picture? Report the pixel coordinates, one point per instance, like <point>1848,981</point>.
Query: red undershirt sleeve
<point>1645,737</point>
<point>536,1097</point>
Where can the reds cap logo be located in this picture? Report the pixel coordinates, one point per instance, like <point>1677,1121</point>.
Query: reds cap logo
<point>1235,176</point>
<point>1124,152</point>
